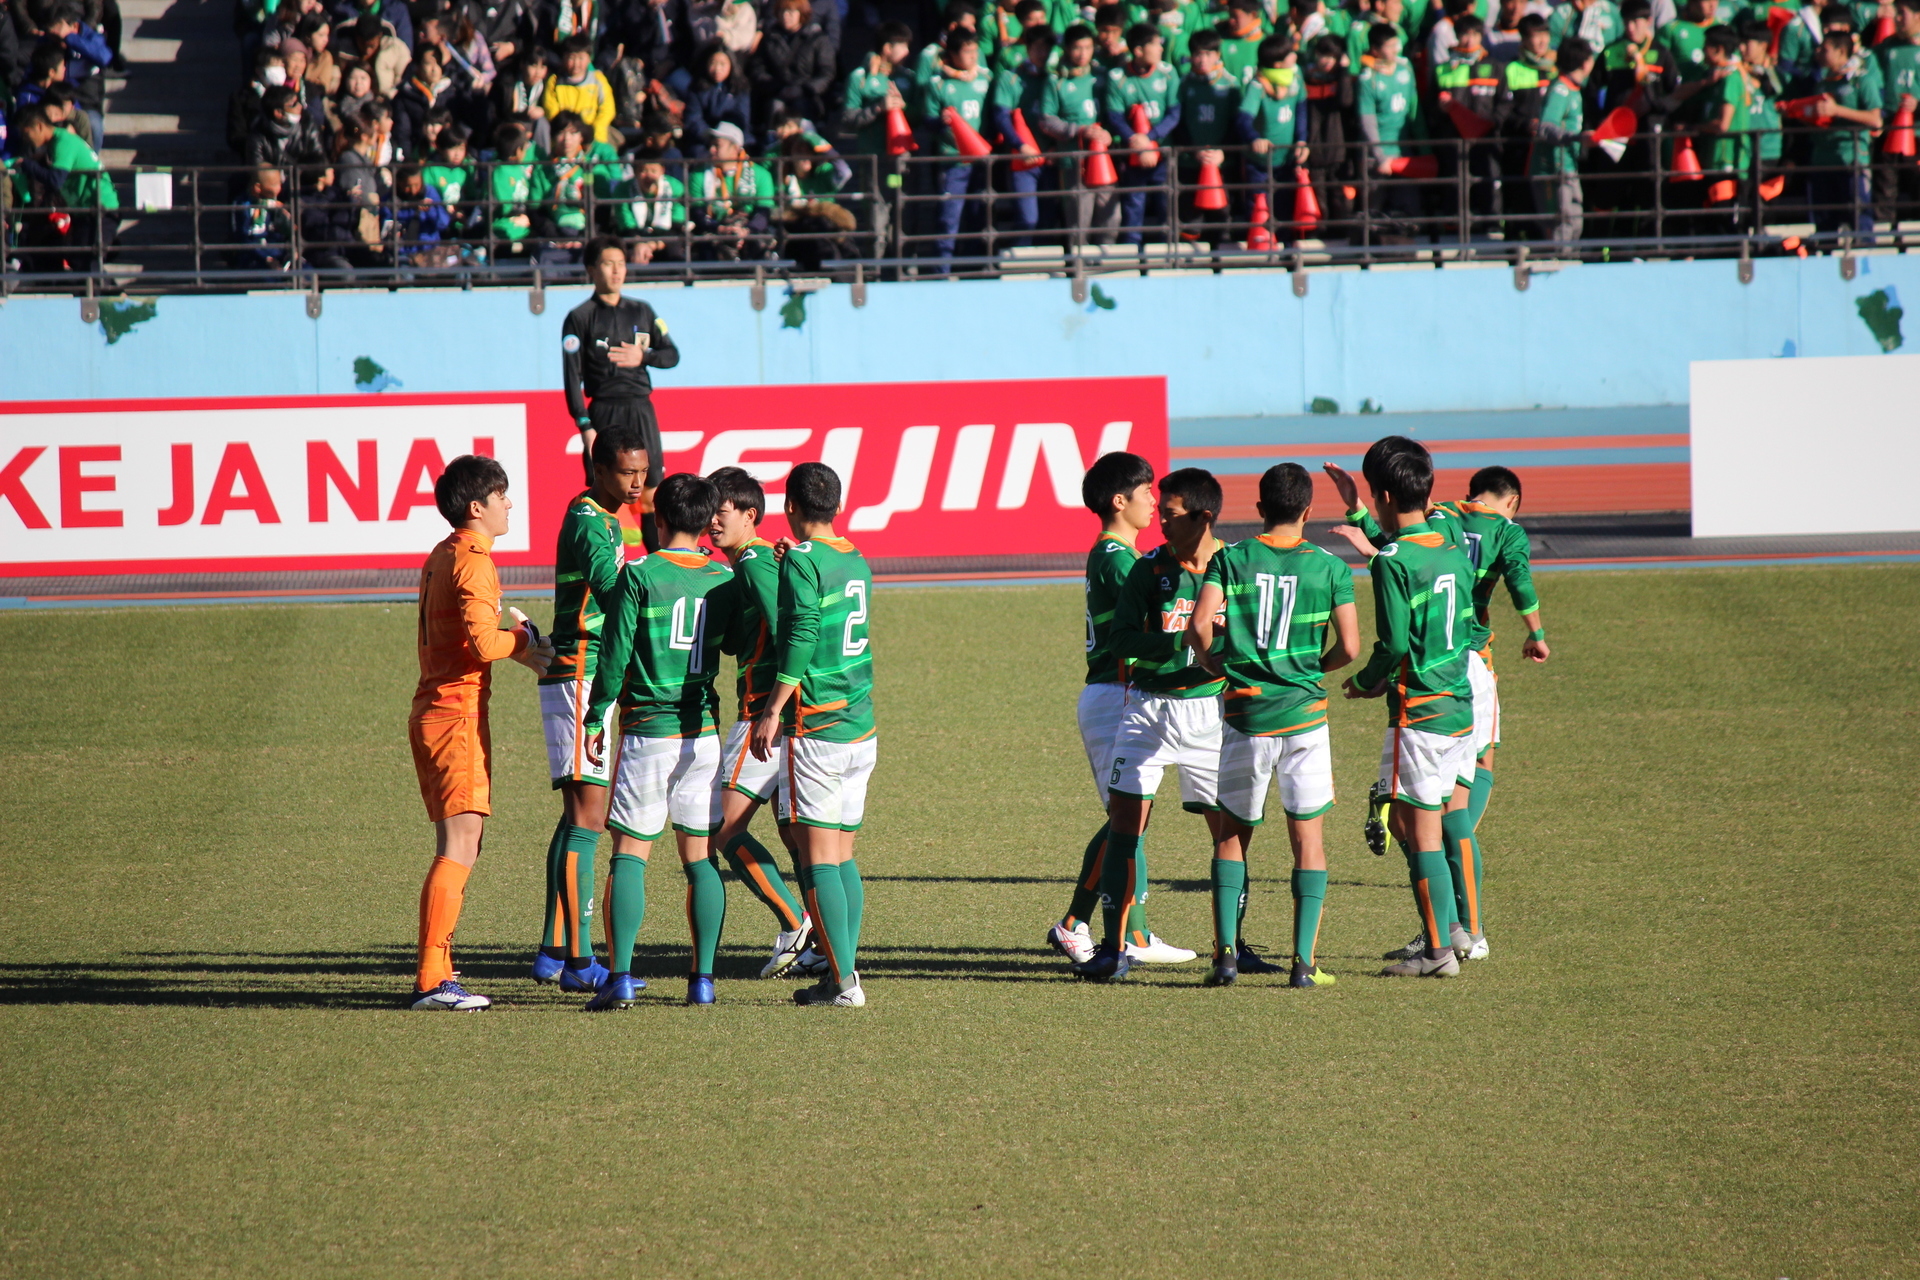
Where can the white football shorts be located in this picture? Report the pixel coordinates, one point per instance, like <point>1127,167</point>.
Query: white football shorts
<point>739,771</point>
<point>1486,706</point>
<point>1158,731</point>
<point>1422,768</point>
<point>1099,714</point>
<point>826,782</point>
<point>666,779</point>
<point>563,710</point>
<point>1301,763</point>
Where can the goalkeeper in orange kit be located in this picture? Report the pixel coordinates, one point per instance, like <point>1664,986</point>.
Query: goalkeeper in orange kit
<point>459,640</point>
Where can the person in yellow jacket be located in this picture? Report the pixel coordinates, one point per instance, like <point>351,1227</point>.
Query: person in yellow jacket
<point>581,89</point>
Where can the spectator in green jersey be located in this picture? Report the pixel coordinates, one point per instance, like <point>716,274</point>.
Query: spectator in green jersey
<point>517,187</point>
<point>1146,91</point>
<point>960,15</point>
<point>733,199</point>
<point>1896,179</point>
<point>1109,38</point>
<point>1560,136</point>
<point>1598,22</point>
<point>1386,102</point>
<point>650,205</point>
<point>1017,98</point>
<point>1209,111</point>
<point>960,86</point>
<point>816,223</point>
<point>883,84</point>
<point>1724,118</point>
<point>1270,119</point>
<point>1070,119</point>
<point>1523,92</point>
<point>1240,37</point>
<point>1849,108</point>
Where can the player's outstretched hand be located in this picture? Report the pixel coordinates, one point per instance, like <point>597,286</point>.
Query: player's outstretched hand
<point>1536,650</point>
<point>1358,539</point>
<point>766,732</point>
<point>1349,491</point>
<point>596,748</point>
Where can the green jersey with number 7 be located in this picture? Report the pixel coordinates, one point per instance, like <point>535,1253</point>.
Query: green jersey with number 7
<point>1423,612</point>
<point>825,585</point>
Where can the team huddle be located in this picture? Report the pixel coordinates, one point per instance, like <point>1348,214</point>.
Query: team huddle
<point>1210,658</point>
<point>1201,656</point>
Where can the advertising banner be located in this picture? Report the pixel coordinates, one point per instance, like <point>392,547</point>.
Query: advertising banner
<point>338,482</point>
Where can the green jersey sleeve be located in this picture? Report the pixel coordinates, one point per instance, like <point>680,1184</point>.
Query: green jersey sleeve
<point>799,615</point>
<point>617,628</point>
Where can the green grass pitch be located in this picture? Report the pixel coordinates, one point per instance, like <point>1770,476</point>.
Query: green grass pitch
<point>1695,1051</point>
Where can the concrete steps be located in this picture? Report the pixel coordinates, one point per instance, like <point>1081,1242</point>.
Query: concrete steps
<point>170,106</point>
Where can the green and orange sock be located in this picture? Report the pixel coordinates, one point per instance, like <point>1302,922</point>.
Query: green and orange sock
<point>755,867</point>
<point>1086,890</point>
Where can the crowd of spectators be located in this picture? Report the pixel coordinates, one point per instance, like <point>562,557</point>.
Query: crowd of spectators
<point>444,131</point>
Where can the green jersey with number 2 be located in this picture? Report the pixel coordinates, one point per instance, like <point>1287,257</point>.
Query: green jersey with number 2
<point>825,586</point>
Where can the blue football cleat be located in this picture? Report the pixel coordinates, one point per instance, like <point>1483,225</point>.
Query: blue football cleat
<point>546,968</point>
<point>700,988</point>
<point>591,978</point>
<point>1248,960</point>
<point>617,992</point>
<point>1109,964</point>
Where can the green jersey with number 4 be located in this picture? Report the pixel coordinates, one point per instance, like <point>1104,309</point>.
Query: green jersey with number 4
<point>587,560</point>
<point>1150,620</point>
<point>825,585</point>
<point>1280,596</point>
<point>661,651</point>
<point>1423,613</point>
<point>1107,566</point>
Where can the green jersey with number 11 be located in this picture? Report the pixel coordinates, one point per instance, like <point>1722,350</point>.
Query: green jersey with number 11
<point>825,585</point>
<point>1280,596</point>
<point>1423,612</point>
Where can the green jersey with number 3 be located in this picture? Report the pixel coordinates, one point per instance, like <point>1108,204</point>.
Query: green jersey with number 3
<point>825,586</point>
<point>1280,596</point>
<point>661,650</point>
<point>1423,614</point>
<point>1107,566</point>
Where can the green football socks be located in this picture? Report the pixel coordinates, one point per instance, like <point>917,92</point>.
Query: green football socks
<point>706,910</point>
<point>1086,890</point>
<point>1309,896</point>
<point>575,881</point>
<point>856,891</point>
<point>1432,895</point>
<point>1479,794</point>
<point>761,874</point>
<point>626,907</point>
<point>1116,884</point>
<point>553,940</point>
<point>1463,866</point>
<point>1229,901</point>
<point>1136,927</point>
<point>827,901</point>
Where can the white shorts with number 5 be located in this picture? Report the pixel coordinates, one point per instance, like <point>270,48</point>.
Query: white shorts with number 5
<point>1486,705</point>
<point>1099,714</point>
<point>666,779</point>
<point>1301,763</point>
<point>739,771</point>
<point>1423,768</point>
<point>825,784</point>
<point>1157,731</point>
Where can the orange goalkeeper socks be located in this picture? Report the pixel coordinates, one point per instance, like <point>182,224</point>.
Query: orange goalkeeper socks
<point>440,899</point>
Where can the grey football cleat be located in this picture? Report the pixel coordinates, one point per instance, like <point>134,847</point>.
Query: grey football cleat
<point>1424,966</point>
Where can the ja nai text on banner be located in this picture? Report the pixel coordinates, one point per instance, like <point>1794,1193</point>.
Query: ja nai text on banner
<point>335,482</point>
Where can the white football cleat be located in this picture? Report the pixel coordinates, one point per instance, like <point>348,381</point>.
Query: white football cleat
<point>851,996</point>
<point>450,997</point>
<point>787,948</point>
<point>811,963</point>
<point>1158,952</point>
<point>1075,943</point>
<point>1479,949</point>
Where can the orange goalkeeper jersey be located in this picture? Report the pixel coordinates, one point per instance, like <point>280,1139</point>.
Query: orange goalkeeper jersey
<point>460,636</point>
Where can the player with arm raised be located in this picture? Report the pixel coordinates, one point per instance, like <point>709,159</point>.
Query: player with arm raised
<point>660,651</point>
<point>1281,596</point>
<point>1172,717</point>
<point>1118,488</point>
<point>1423,613</point>
<point>747,782</point>
<point>459,641</point>
<point>587,561</point>
<point>823,699</point>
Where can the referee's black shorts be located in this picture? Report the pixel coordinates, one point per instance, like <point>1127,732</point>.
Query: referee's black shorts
<point>635,414</point>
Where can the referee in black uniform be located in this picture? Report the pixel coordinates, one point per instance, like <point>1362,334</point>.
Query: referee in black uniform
<point>607,344</point>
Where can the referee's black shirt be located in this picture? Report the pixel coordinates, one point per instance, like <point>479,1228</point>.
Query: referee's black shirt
<point>593,327</point>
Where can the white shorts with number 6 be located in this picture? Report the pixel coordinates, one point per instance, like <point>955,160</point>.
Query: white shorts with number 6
<point>1301,763</point>
<point>1423,768</point>
<point>1157,731</point>
<point>826,782</point>
<point>666,779</point>
<point>739,771</point>
<point>1099,714</point>
<point>563,712</point>
<point>1486,706</point>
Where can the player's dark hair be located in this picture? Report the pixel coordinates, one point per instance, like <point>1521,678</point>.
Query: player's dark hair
<point>576,44</point>
<point>1408,478</point>
<point>736,485</point>
<point>610,443</point>
<point>1381,33</point>
<point>30,115</point>
<point>1113,475</point>
<point>1468,22</point>
<point>468,479</point>
<point>1286,490</point>
<point>1204,42</point>
<point>813,490</point>
<point>1109,15</point>
<point>599,245</point>
<point>1081,31</point>
<point>957,39</point>
<point>508,138</point>
<point>1495,481</point>
<point>47,58</point>
<point>1530,23</point>
<point>1273,50</point>
<point>1573,54</point>
<point>685,502</point>
<point>1196,489</point>
<point>1841,40</point>
<point>1725,39</point>
<point>958,9</point>
<point>1039,35</point>
<point>1756,29</point>
<point>1142,34</point>
<point>891,33</point>
<point>1329,47</point>
<point>1379,451</point>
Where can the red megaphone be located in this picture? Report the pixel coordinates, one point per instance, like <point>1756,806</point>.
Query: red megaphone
<point>1259,238</point>
<point>1882,31</point>
<point>1427,166</point>
<point>1770,188</point>
<point>1900,132</point>
<point>1722,191</point>
<point>1209,194</point>
<point>1465,122</point>
<point>1138,122</point>
<point>966,139</point>
<point>1779,18</point>
<point>1024,136</point>
<point>1306,205</point>
<point>1686,165</point>
<point>1097,169</point>
<point>899,133</point>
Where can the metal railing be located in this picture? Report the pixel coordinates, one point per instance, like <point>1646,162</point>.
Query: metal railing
<point>905,217</point>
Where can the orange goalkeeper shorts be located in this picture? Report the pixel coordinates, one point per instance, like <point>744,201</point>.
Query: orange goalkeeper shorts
<point>454,759</point>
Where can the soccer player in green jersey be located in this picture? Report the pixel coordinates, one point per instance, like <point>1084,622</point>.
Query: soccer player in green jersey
<point>660,653</point>
<point>1172,717</point>
<point>1423,609</point>
<point>1280,596</point>
<point>823,699</point>
<point>587,564</point>
<point>746,783</point>
<point>1118,488</point>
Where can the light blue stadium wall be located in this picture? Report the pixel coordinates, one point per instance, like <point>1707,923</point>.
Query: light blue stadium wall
<point>1231,346</point>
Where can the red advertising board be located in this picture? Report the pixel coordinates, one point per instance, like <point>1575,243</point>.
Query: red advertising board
<point>336,482</point>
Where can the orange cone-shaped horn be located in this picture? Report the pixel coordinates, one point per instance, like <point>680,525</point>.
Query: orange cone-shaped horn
<point>1209,193</point>
<point>1097,169</point>
<point>1259,238</point>
<point>1881,31</point>
<point>966,139</point>
<point>1138,122</point>
<point>1025,137</point>
<point>899,134</point>
<point>1686,165</point>
<point>1900,133</point>
<point>1306,205</point>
